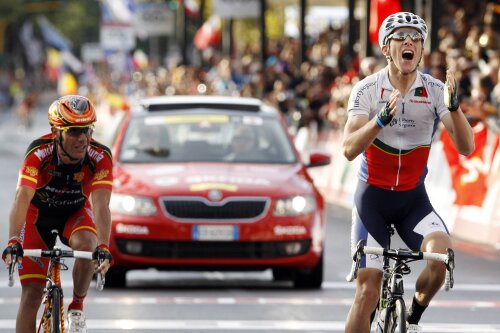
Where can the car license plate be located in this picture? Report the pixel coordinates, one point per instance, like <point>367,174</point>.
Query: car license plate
<point>216,232</point>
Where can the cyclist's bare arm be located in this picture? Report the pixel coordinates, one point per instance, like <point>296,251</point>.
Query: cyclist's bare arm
<point>100,206</point>
<point>460,131</point>
<point>18,214</point>
<point>359,132</point>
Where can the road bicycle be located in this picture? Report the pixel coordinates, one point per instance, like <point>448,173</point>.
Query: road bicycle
<point>52,319</point>
<point>391,308</point>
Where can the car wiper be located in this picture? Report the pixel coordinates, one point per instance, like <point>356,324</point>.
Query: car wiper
<point>157,152</point>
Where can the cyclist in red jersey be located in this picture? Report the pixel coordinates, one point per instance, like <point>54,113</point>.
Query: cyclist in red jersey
<point>392,117</point>
<point>65,183</point>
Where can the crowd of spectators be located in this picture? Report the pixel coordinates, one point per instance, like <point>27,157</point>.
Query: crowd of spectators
<point>315,91</point>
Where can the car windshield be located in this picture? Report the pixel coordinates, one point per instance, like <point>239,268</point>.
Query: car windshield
<point>213,137</point>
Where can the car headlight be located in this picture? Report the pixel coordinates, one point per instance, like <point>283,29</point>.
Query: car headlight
<point>132,205</point>
<point>296,205</point>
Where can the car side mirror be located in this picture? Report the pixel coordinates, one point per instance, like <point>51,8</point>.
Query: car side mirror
<point>318,159</point>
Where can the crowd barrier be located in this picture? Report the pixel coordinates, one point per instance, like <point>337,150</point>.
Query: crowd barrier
<point>465,191</point>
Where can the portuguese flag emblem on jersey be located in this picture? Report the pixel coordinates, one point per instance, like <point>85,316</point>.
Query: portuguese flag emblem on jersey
<point>421,92</point>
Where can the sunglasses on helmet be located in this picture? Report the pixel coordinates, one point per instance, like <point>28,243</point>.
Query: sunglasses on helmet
<point>74,130</point>
<point>402,35</point>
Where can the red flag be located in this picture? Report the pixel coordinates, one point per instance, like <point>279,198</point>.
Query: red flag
<point>191,7</point>
<point>209,33</point>
<point>379,10</point>
<point>468,176</point>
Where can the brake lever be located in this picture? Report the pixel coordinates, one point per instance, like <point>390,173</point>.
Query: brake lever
<point>100,278</point>
<point>450,266</point>
<point>12,269</point>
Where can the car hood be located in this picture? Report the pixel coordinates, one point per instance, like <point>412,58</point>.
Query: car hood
<point>195,178</point>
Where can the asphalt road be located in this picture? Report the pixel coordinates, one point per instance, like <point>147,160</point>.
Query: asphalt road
<point>247,302</point>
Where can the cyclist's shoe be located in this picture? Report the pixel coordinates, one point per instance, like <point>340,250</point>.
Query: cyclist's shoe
<point>76,321</point>
<point>413,328</point>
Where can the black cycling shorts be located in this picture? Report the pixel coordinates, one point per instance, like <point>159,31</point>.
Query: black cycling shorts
<point>410,212</point>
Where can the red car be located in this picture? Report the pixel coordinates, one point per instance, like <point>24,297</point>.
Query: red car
<point>214,183</point>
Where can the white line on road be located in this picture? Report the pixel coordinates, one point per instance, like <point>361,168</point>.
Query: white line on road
<point>256,325</point>
<point>286,301</point>
<point>409,285</point>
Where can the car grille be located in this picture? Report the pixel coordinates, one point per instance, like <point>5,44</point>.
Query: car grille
<point>202,209</point>
<point>212,249</point>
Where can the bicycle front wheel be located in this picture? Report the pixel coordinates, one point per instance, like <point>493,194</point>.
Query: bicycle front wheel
<point>395,317</point>
<point>55,312</point>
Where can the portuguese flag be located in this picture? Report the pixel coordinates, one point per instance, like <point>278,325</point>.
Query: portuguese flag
<point>421,92</point>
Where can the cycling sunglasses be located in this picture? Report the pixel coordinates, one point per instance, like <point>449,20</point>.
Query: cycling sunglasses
<point>402,35</point>
<point>74,130</point>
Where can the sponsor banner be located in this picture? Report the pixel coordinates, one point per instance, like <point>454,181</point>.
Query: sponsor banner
<point>154,19</point>
<point>117,37</point>
<point>236,8</point>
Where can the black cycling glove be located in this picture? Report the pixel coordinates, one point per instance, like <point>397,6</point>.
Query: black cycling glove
<point>14,247</point>
<point>451,97</point>
<point>102,252</point>
<point>384,117</point>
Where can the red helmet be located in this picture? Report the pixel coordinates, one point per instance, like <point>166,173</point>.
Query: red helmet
<point>71,111</point>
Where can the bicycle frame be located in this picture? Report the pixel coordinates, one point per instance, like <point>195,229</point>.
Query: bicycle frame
<point>53,313</point>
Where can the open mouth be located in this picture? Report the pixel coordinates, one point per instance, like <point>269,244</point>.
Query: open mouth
<point>408,55</point>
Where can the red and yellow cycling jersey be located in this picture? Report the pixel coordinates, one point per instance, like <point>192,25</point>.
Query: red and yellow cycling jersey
<point>62,189</point>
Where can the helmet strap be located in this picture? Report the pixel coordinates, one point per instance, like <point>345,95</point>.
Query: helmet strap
<point>60,143</point>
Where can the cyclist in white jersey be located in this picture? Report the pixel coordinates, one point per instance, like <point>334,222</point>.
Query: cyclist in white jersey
<point>392,117</point>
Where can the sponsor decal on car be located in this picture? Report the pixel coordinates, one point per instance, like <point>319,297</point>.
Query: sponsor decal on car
<point>166,181</point>
<point>289,230</point>
<point>213,186</point>
<point>132,229</point>
<point>222,179</point>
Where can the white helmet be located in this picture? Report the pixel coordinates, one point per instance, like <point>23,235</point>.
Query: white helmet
<point>400,20</point>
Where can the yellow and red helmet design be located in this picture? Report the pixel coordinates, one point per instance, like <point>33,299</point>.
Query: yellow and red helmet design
<point>71,111</point>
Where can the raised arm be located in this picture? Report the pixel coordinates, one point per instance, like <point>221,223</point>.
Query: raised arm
<point>455,122</point>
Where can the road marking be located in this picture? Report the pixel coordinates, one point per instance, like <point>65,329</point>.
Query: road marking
<point>337,285</point>
<point>287,301</point>
<point>410,285</point>
<point>256,325</point>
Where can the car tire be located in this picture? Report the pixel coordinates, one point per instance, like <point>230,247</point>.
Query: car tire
<point>311,278</point>
<point>116,278</point>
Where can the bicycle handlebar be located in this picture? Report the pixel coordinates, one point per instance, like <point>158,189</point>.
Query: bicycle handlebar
<point>57,252</point>
<point>405,254</point>
<point>63,253</point>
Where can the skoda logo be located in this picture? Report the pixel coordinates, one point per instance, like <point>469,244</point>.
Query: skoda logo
<point>214,195</point>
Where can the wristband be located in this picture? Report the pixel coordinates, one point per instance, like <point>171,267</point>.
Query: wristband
<point>15,238</point>
<point>379,122</point>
